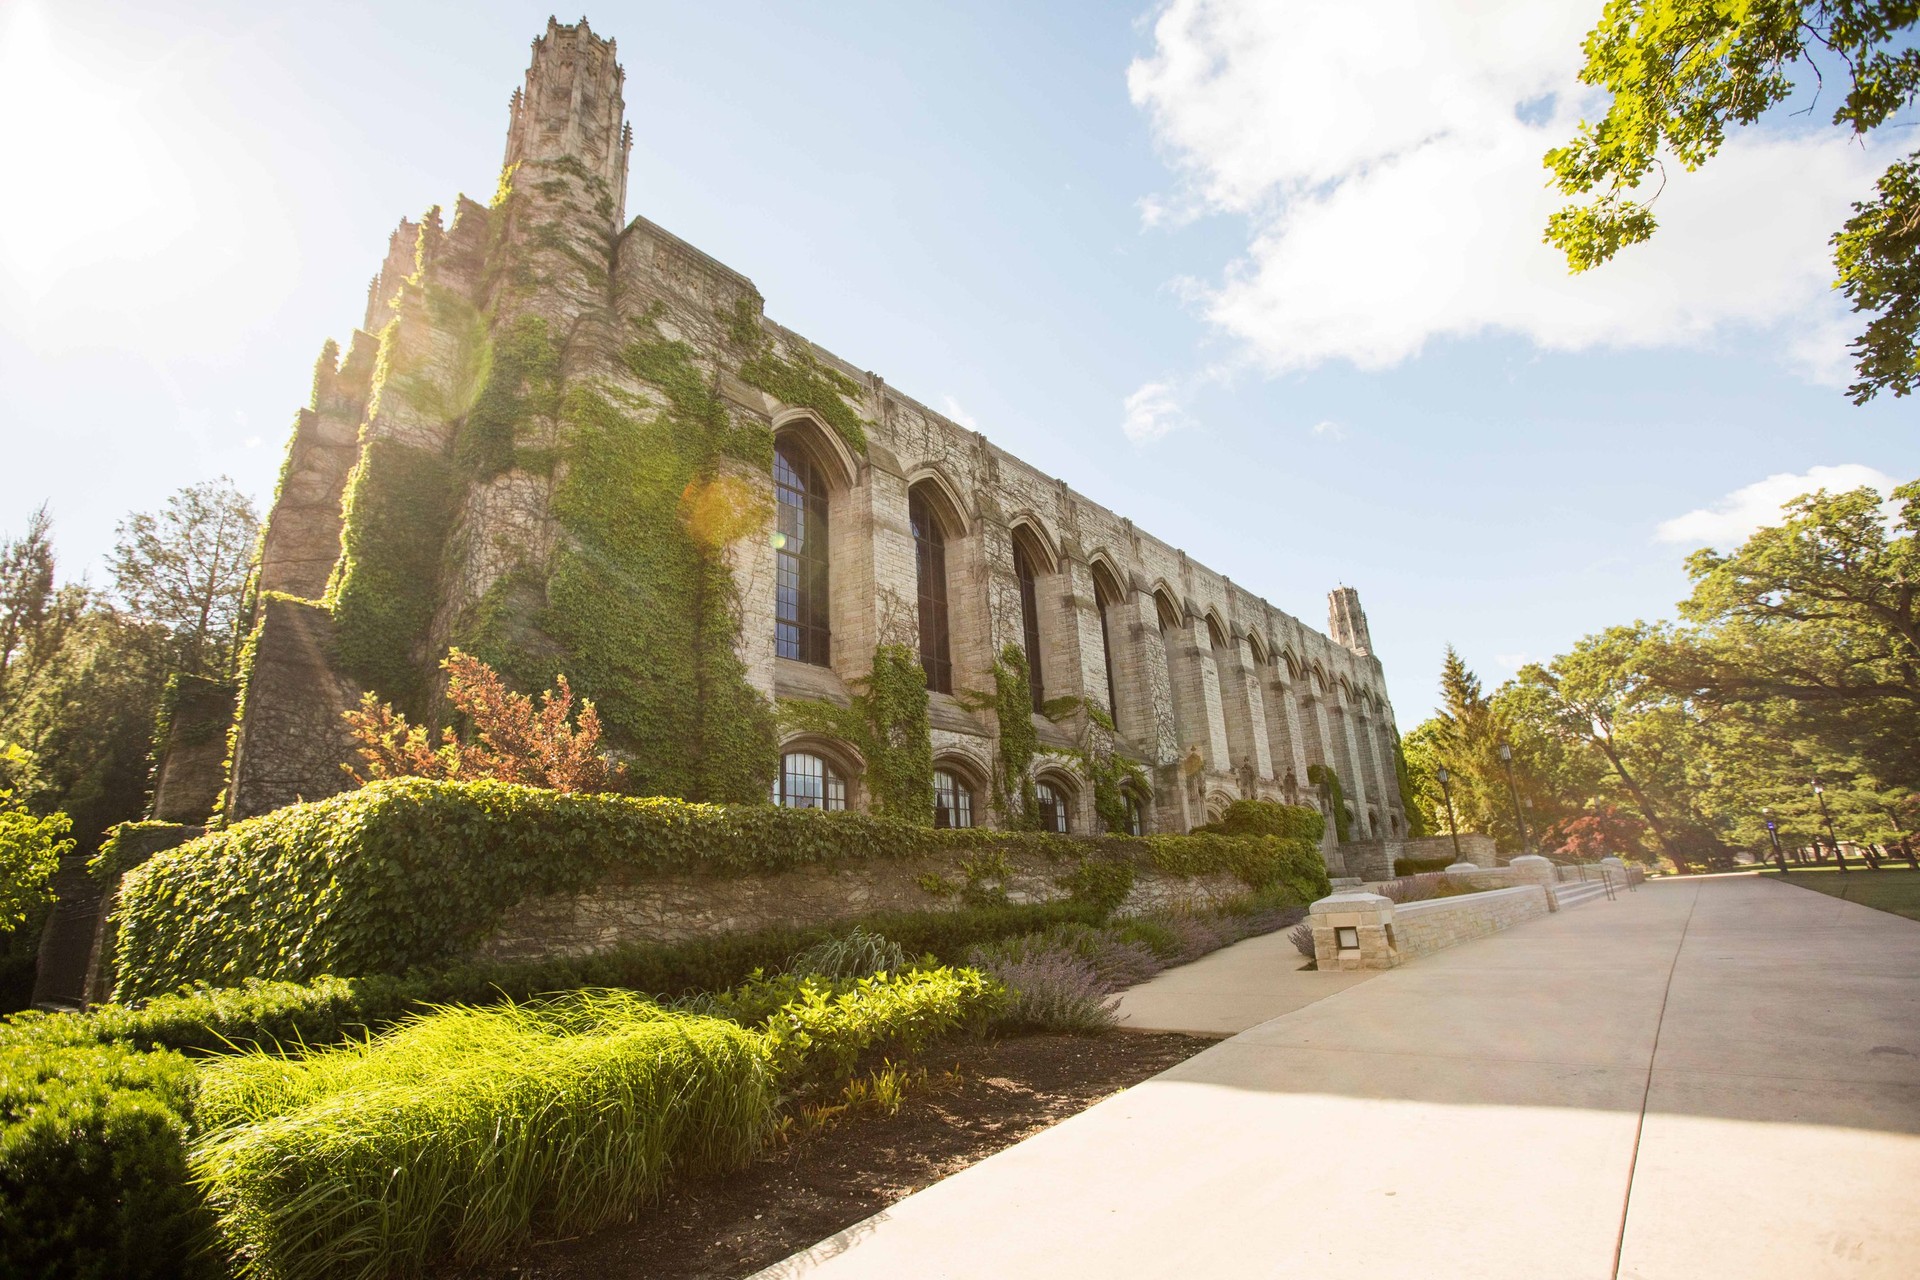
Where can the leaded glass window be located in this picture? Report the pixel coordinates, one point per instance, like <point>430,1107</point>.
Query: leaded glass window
<point>952,800</point>
<point>806,781</point>
<point>1053,808</point>
<point>930,559</point>
<point>800,552</point>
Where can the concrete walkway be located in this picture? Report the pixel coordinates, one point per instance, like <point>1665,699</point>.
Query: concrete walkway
<point>1705,1078</point>
<point>1235,988</point>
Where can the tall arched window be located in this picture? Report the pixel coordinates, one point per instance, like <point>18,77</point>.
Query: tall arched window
<point>1106,595</point>
<point>806,781</point>
<point>1029,621</point>
<point>952,800</point>
<point>800,550</point>
<point>930,561</point>
<point>1136,815</point>
<point>1215,637</point>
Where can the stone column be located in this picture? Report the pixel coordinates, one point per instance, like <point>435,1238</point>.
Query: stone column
<point>1245,714</point>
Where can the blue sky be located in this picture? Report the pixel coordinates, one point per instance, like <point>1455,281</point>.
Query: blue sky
<point>1265,281</point>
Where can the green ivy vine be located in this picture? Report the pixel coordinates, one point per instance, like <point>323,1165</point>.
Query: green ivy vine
<point>1324,775</point>
<point>887,723</point>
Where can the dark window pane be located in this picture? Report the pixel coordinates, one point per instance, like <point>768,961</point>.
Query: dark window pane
<point>930,562</point>
<point>952,800</point>
<point>1029,623</point>
<point>800,558</point>
<point>1053,808</point>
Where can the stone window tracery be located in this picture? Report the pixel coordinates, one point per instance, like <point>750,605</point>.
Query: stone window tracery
<point>952,800</point>
<point>807,781</point>
<point>1136,815</point>
<point>930,561</point>
<point>801,629</point>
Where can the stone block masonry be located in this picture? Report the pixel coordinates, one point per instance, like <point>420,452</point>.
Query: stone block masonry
<point>676,908</point>
<point>1355,929</point>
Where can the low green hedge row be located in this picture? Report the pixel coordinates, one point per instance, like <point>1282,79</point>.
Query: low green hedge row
<point>1419,866</point>
<point>93,1168</point>
<point>409,873</point>
<point>328,1010</point>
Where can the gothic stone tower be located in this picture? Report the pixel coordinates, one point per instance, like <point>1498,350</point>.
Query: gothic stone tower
<point>553,443</point>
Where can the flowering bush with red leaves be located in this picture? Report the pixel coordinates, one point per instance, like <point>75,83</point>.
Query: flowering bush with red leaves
<point>512,741</point>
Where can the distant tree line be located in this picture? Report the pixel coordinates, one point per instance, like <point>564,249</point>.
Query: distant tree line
<point>83,671</point>
<point>1796,657</point>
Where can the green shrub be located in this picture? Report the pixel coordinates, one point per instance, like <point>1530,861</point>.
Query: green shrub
<point>464,1131</point>
<point>1270,818</point>
<point>410,873</point>
<point>1419,866</point>
<point>93,1163</point>
<point>329,1010</point>
<point>821,1034</point>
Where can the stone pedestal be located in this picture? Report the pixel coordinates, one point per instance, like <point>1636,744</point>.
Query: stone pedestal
<point>1353,929</point>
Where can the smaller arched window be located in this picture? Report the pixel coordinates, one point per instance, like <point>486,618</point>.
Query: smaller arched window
<point>1053,808</point>
<point>952,800</point>
<point>807,781</point>
<point>1215,636</point>
<point>1136,815</point>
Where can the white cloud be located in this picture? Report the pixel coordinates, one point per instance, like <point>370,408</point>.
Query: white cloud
<point>1727,522</point>
<point>1329,428</point>
<point>1395,194</point>
<point>951,407</point>
<point>1152,412</point>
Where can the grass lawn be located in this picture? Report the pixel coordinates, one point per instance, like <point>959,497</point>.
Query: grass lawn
<point>1896,889</point>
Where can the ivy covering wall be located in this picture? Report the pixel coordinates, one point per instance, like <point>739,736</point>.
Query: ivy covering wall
<point>408,872</point>
<point>887,724</point>
<point>1324,775</point>
<point>398,512</point>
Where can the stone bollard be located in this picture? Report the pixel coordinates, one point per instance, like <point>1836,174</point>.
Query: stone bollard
<point>1353,929</point>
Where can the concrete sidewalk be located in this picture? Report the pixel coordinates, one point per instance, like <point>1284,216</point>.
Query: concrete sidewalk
<point>1235,988</point>
<point>1705,1078</point>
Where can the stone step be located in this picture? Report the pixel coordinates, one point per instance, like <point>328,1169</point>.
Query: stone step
<point>1574,893</point>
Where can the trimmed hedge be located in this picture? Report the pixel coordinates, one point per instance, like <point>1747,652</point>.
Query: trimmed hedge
<point>410,873</point>
<point>328,1010</point>
<point>93,1165</point>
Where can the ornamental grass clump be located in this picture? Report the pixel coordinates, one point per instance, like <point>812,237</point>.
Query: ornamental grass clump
<point>859,953</point>
<point>466,1130</point>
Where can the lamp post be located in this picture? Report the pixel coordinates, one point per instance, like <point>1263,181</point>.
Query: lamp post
<point>1453,828</point>
<point>1513,792</point>
<point>1839,855</point>
<point>1773,834</point>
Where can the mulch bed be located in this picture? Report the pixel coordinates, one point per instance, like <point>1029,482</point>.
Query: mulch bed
<point>718,1229</point>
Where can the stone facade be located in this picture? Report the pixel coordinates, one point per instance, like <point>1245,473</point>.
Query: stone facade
<point>1217,693</point>
<point>673,908</point>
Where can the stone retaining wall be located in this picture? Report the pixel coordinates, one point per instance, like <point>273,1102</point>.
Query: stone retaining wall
<point>674,908</point>
<point>1439,923</point>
